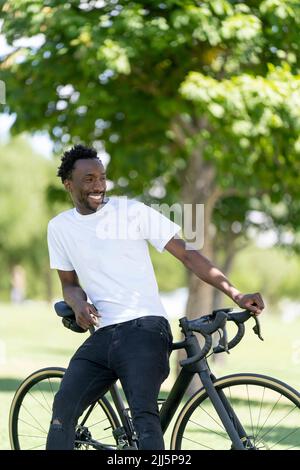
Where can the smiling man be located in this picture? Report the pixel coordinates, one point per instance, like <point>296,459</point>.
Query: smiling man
<point>100,251</point>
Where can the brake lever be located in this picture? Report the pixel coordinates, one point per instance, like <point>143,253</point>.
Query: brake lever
<point>257,328</point>
<point>224,340</point>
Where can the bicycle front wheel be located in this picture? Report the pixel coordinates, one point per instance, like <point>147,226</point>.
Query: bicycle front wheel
<point>268,410</point>
<point>31,412</point>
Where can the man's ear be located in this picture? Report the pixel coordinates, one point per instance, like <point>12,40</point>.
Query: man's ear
<point>67,185</point>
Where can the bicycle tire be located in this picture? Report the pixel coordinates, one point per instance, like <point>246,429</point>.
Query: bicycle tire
<point>199,427</point>
<point>36,393</point>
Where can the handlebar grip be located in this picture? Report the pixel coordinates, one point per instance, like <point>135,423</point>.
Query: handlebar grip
<point>240,317</point>
<point>238,336</point>
<point>210,327</point>
<point>198,357</point>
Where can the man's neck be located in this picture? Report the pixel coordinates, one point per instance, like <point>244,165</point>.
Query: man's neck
<point>79,210</point>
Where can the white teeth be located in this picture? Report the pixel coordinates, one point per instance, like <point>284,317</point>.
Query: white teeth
<point>96,197</point>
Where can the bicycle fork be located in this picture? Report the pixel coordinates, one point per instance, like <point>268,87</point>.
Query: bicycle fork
<point>226,414</point>
<point>237,424</point>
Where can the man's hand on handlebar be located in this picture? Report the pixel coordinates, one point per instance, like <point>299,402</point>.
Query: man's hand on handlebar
<point>252,302</point>
<point>86,315</point>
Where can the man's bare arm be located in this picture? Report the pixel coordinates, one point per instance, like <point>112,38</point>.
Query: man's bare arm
<point>205,270</point>
<point>72,291</point>
<point>76,298</point>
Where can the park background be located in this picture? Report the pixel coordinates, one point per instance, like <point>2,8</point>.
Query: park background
<point>190,102</point>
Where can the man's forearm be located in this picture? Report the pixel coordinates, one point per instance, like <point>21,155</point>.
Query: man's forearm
<point>205,270</point>
<point>209,273</point>
<point>74,295</point>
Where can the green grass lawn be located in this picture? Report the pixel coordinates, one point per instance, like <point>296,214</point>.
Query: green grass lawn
<point>32,337</point>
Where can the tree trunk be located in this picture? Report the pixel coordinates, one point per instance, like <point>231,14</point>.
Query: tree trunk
<point>199,188</point>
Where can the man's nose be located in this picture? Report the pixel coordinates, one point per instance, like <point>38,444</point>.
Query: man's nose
<point>99,186</point>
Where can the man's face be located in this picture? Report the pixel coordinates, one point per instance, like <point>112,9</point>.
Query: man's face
<point>87,185</point>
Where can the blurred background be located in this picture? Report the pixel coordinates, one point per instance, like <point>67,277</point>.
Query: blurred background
<point>186,102</point>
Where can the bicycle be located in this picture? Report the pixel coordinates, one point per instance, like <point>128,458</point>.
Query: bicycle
<point>239,411</point>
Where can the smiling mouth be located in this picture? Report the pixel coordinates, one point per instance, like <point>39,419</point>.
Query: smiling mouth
<point>96,197</point>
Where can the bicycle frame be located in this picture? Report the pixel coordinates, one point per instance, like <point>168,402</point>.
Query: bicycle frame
<point>227,415</point>
<point>170,406</point>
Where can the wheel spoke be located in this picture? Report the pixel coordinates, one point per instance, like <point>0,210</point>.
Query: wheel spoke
<point>278,422</point>
<point>209,429</point>
<point>99,422</point>
<point>35,447</point>
<point>260,409</point>
<point>217,422</point>
<point>38,401</point>
<point>30,425</point>
<point>50,383</point>
<point>45,397</point>
<point>267,418</point>
<point>288,435</point>
<point>35,420</point>
<point>247,387</point>
<point>261,405</point>
<point>195,442</point>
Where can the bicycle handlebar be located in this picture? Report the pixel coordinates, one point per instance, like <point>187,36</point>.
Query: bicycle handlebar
<point>205,325</point>
<point>209,324</point>
<point>239,318</point>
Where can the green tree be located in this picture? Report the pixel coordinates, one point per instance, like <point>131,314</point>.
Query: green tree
<point>24,215</point>
<point>239,221</point>
<point>201,98</point>
<point>279,283</point>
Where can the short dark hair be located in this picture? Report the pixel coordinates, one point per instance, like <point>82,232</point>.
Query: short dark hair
<point>69,158</point>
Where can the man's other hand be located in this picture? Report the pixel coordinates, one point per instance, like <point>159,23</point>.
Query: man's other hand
<point>86,315</point>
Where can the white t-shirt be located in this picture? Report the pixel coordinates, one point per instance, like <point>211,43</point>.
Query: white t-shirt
<point>109,252</point>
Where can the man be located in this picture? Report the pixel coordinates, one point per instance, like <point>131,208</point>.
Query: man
<point>100,251</point>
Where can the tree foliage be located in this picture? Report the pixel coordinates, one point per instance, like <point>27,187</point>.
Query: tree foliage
<point>137,75</point>
<point>24,214</point>
<point>199,98</point>
<point>22,182</point>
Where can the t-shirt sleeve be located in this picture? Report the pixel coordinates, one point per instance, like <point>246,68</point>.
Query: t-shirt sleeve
<point>57,254</point>
<point>157,228</point>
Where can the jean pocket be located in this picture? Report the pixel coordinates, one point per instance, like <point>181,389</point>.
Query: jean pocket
<point>156,325</point>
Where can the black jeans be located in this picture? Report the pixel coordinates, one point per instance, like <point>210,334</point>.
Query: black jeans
<point>136,352</point>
